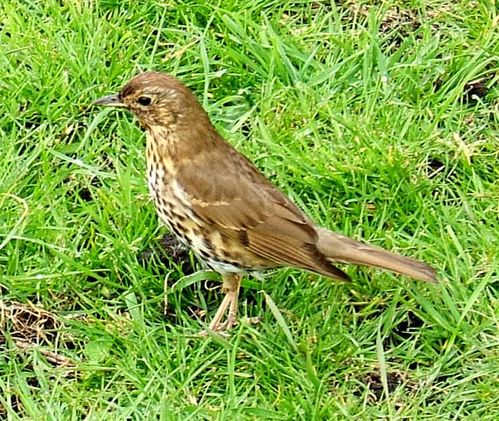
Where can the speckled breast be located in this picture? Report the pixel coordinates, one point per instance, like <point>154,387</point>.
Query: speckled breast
<point>219,252</point>
<point>175,210</point>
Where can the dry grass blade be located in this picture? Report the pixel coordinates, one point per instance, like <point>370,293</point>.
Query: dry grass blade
<point>32,327</point>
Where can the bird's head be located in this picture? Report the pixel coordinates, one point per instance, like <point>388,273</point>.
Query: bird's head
<point>156,99</point>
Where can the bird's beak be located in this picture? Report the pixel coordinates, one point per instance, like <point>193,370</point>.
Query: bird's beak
<point>109,101</point>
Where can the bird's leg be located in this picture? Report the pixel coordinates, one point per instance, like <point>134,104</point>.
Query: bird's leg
<point>230,286</point>
<point>215,323</point>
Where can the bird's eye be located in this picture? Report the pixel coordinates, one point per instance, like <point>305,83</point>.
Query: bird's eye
<point>144,101</point>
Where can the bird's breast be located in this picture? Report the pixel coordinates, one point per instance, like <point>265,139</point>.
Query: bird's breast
<point>172,203</point>
<point>175,208</point>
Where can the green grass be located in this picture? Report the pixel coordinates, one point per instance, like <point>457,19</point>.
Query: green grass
<point>360,111</point>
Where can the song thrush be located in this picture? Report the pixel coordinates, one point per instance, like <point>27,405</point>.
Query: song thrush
<point>220,205</point>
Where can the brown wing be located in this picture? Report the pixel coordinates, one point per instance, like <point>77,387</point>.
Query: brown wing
<point>234,197</point>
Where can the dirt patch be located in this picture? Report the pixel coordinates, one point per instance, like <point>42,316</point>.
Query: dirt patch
<point>473,91</point>
<point>395,24</point>
<point>31,327</point>
<point>394,380</point>
<point>477,89</point>
<point>435,166</point>
<point>409,326</point>
<point>398,24</point>
<point>168,250</point>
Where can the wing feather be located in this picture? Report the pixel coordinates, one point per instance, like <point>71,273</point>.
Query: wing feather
<point>235,199</point>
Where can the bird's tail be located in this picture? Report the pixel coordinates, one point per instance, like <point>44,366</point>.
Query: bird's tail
<point>338,248</point>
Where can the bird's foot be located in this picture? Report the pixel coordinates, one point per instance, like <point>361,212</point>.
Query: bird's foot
<point>231,284</point>
<point>254,320</point>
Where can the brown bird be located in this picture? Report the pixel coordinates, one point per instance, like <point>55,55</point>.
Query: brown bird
<point>221,206</point>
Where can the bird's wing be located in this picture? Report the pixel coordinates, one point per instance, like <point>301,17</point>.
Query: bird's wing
<point>236,199</point>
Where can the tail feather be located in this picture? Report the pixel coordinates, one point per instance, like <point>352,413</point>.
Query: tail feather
<point>339,248</point>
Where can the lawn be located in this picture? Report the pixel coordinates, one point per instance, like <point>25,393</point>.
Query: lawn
<point>379,119</point>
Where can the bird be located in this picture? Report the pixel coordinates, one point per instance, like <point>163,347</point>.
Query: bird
<point>219,204</point>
